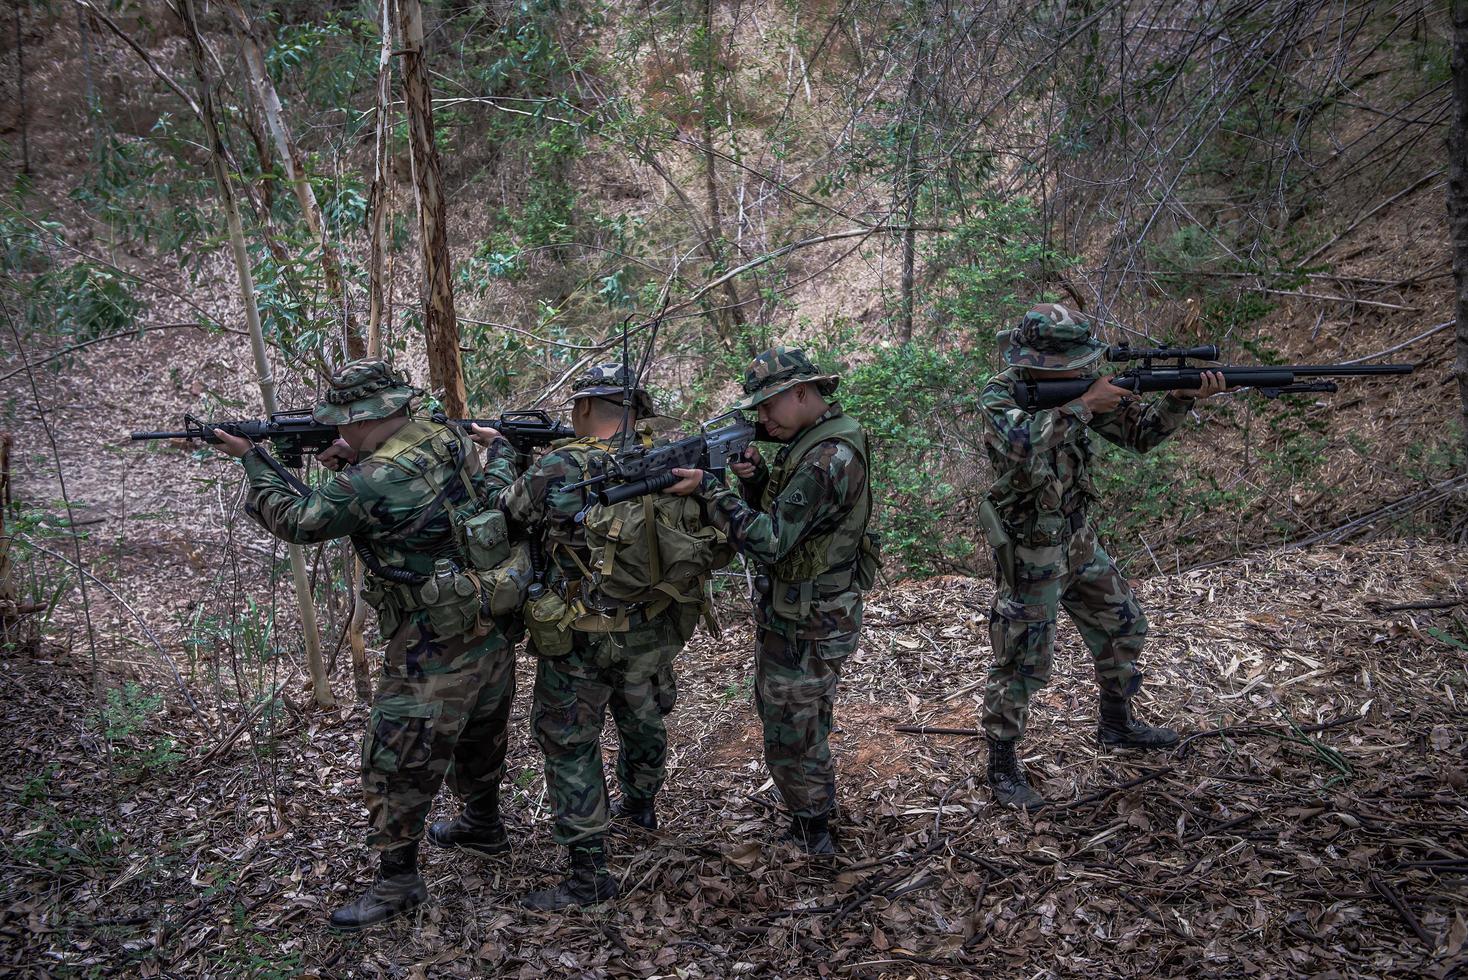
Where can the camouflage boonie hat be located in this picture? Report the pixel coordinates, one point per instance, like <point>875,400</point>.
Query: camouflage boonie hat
<point>606,381</point>
<point>362,390</point>
<point>780,369</point>
<point>1051,337</point>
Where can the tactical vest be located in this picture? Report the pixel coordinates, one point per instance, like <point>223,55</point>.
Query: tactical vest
<point>827,563</point>
<point>467,577</point>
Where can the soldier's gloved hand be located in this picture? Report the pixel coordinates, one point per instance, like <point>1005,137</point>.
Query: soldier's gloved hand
<point>1103,396</point>
<point>235,446</point>
<point>688,482</point>
<point>337,456</point>
<point>748,464</point>
<point>483,435</point>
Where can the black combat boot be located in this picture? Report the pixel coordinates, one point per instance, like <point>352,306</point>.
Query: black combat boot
<point>588,883</point>
<point>1007,777</point>
<point>1119,730</point>
<point>643,813</point>
<point>398,890</point>
<point>812,834</point>
<point>478,830</point>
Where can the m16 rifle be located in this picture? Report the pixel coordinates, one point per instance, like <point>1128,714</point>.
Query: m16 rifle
<point>1270,381</point>
<point>636,471</point>
<point>295,434</point>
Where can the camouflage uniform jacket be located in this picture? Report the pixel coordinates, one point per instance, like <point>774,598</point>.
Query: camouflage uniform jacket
<point>809,511</point>
<point>381,500</point>
<point>1042,460</point>
<point>539,502</point>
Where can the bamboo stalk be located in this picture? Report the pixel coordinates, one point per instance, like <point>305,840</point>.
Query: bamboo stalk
<point>320,687</point>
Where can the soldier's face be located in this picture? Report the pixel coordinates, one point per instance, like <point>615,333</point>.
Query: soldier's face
<point>787,413</point>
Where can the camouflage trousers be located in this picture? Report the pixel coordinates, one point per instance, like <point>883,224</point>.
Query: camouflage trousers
<point>795,695</point>
<point>1076,574</point>
<point>632,674</point>
<point>441,711</point>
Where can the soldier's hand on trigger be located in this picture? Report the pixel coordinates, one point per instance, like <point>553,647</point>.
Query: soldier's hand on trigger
<point>235,446</point>
<point>337,456</point>
<point>1103,396</point>
<point>688,482</point>
<point>483,435</point>
<point>748,463</point>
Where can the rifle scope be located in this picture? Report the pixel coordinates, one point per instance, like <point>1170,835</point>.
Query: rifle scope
<point>1124,352</point>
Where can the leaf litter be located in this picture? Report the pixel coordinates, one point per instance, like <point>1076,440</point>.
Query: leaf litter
<point>1311,823</point>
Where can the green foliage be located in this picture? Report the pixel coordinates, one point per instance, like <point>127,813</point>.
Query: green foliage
<point>123,718</point>
<point>910,400</point>
<point>62,294</point>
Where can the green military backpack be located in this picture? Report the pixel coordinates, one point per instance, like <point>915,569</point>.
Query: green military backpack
<point>653,550</point>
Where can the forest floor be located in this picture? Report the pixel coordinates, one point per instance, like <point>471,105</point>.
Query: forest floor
<point>1312,823</point>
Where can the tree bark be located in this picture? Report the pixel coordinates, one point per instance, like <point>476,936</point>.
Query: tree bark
<point>252,46</point>
<point>445,370</point>
<point>320,687</point>
<point>1458,198</point>
<point>732,320</point>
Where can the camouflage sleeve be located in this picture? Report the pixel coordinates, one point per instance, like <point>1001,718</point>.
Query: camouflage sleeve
<point>332,510</point>
<point>537,496</point>
<point>1140,426</point>
<point>1017,435</point>
<point>499,470</point>
<point>827,483</point>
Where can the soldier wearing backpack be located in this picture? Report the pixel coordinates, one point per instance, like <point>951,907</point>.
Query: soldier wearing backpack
<point>622,591</point>
<point>803,521</point>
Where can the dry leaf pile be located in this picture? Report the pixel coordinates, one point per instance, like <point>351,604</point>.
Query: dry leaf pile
<point>1311,824</point>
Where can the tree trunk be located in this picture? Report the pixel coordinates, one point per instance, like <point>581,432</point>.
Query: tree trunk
<point>912,178</point>
<point>1458,197</point>
<point>319,685</point>
<point>732,320</point>
<point>253,48</point>
<point>445,371</point>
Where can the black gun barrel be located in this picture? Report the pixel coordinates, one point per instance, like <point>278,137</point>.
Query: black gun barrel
<point>1346,370</point>
<point>637,488</point>
<point>194,434</point>
<point>1033,395</point>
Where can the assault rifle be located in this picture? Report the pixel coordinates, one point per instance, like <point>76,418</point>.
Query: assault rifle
<point>1269,381</point>
<point>295,434</point>
<point>636,471</point>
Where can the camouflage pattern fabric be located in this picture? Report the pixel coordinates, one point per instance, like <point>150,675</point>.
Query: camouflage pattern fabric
<point>382,496</point>
<point>630,673</point>
<point>428,727</point>
<point>364,389</point>
<point>789,503</point>
<point>1042,460</point>
<point>797,499</point>
<point>1051,337</point>
<point>1080,576</point>
<point>779,369</point>
<point>795,696</point>
<point>1042,463</point>
<point>442,703</point>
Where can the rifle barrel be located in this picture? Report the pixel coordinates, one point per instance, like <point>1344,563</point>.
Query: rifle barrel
<point>1347,370</point>
<point>137,436</point>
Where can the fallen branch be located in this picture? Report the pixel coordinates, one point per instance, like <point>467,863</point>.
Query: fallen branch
<point>1343,720</point>
<point>240,727</point>
<point>1394,899</point>
<point>935,730</point>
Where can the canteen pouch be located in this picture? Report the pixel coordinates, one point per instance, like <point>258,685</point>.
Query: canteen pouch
<point>451,600</point>
<point>546,622</point>
<point>999,540</point>
<point>505,585</point>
